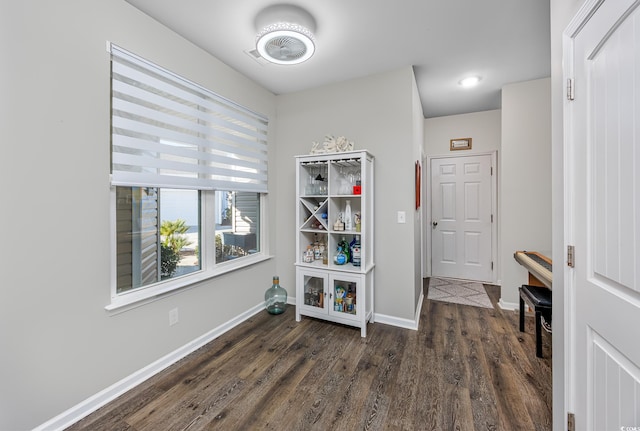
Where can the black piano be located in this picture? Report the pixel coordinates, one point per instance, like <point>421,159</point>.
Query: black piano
<point>537,292</point>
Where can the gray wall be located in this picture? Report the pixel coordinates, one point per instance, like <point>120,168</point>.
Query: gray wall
<point>59,345</point>
<point>376,112</point>
<point>525,179</point>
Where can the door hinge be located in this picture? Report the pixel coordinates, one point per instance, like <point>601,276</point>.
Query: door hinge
<point>571,256</point>
<point>491,218</point>
<point>570,89</point>
<point>491,266</point>
<point>571,422</point>
<point>491,170</point>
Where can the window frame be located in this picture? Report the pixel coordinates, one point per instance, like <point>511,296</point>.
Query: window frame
<point>209,267</point>
<point>235,158</point>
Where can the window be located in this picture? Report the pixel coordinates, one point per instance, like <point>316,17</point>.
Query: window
<point>157,235</point>
<point>238,225</point>
<point>189,180</point>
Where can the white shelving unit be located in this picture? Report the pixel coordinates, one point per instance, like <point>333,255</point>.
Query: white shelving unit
<point>325,289</point>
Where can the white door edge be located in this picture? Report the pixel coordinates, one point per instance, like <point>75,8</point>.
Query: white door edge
<point>566,358</point>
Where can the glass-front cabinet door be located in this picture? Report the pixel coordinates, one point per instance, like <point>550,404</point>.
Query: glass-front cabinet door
<point>314,290</point>
<point>344,292</point>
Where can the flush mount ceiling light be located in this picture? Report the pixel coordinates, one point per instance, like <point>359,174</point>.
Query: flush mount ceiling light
<point>470,81</point>
<point>285,34</point>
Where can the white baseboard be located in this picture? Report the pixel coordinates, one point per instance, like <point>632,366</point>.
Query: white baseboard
<point>93,403</point>
<point>510,306</point>
<point>402,323</point>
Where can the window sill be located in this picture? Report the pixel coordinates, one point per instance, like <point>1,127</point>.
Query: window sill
<point>140,297</point>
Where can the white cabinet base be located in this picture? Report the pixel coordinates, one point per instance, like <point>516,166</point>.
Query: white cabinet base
<point>340,297</point>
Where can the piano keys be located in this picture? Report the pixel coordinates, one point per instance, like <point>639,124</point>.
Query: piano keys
<point>538,265</point>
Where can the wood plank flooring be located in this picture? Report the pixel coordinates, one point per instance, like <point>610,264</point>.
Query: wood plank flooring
<point>466,368</point>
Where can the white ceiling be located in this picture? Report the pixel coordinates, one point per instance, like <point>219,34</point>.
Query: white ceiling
<point>504,41</point>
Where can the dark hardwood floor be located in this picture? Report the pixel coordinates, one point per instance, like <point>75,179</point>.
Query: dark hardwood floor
<point>466,368</point>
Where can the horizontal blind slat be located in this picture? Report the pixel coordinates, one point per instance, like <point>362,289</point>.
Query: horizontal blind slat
<point>121,88</point>
<point>141,114</point>
<point>129,144</point>
<point>119,55</point>
<point>170,132</point>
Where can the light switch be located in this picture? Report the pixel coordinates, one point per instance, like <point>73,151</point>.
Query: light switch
<point>402,217</point>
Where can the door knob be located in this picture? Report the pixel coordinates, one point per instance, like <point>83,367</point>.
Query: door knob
<point>435,223</point>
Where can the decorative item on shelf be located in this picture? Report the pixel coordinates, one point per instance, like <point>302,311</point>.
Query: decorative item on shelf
<point>339,224</point>
<point>357,221</point>
<point>332,144</point>
<point>357,189</point>
<point>340,297</point>
<point>307,256</point>
<point>275,298</point>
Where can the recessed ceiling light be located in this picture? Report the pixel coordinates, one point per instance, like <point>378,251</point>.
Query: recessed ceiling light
<point>470,81</point>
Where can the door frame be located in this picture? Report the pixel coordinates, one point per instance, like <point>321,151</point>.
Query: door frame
<point>565,293</point>
<point>494,209</point>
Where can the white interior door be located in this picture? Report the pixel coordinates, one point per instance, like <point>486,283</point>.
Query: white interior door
<point>461,206</point>
<point>604,155</point>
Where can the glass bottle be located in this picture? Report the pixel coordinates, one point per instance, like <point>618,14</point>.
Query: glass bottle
<point>323,252</point>
<point>348,221</point>
<point>344,245</point>
<point>350,299</point>
<point>275,298</point>
<point>316,248</point>
<point>340,258</point>
<point>356,252</point>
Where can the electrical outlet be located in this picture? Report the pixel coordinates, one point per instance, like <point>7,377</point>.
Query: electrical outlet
<point>402,217</point>
<point>173,316</point>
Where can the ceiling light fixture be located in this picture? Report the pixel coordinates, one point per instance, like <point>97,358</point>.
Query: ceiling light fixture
<point>285,43</point>
<point>470,81</point>
<point>285,34</point>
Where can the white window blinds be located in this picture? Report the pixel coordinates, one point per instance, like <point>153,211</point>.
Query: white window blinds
<point>170,132</point>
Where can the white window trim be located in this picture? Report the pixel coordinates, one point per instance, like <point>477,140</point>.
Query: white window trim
<point>121,302</point>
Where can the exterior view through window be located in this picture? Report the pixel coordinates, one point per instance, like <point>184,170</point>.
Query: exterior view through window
<point>159,232</point>
<point>237,228</point>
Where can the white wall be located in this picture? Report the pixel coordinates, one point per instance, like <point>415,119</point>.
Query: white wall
<point>376,113</point>
<point>483,127</point>
<point>525,179</point>
<point>418,155</point>
<point>59,345</point>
